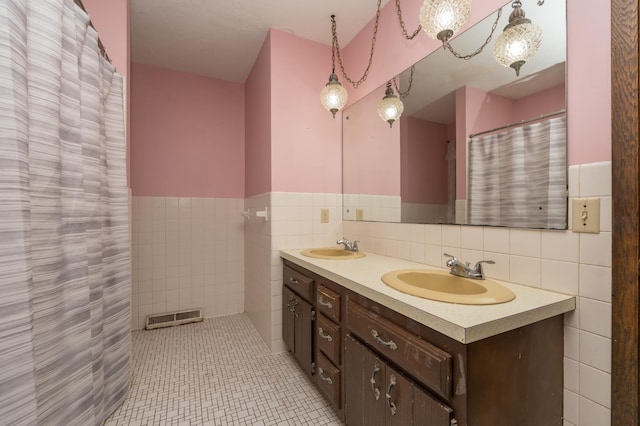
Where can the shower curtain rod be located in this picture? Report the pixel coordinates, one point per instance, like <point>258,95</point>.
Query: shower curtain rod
<point>520,123</point>
<point>103,51</point>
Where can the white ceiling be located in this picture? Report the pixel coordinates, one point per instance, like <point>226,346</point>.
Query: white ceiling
<point>221,39</point>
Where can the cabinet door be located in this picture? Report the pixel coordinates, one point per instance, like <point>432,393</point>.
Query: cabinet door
<point>429,412</point>
<point>288,318</point>
<point>398,397</point>
<point>364,385</point>
<point>303,330</point>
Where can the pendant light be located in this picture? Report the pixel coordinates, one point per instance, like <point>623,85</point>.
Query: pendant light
<point>390,107</point>
<point>519,41</point>
<point>333,95</point>
<point>441,19</point>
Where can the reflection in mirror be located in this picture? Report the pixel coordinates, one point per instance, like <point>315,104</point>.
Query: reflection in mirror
<point>416,172</point>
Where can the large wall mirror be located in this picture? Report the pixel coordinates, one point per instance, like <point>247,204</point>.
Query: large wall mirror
<point>476,144</point>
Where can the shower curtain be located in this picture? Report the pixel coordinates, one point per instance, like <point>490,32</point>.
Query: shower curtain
<point>518,178</point>
<point>64,237</point>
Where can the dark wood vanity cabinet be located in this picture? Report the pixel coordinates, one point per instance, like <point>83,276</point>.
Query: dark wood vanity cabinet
<point>379,367</point>
<point>298,316</point>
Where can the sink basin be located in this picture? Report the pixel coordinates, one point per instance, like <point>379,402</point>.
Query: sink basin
<point>444,287</point>
<point>335,253</point>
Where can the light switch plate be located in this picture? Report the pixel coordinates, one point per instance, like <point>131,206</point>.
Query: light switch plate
<point>585,215</point>
<point>359,214</point>
<point>324,215</point>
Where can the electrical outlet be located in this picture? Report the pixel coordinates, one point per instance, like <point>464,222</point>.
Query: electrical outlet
<point>324,215</point>
<point>359,214</point>
<point>585,216</point>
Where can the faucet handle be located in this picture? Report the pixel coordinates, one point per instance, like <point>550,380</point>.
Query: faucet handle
<point>451,260</point>
<point>354,245</point>
<point>478,268</point>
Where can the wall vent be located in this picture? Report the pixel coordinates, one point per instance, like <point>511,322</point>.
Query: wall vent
<point>170,319</point>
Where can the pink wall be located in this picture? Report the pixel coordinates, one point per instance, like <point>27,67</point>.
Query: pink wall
<point>306,141</point>
<point>111,19</point>
<point>184,142</point>
<point>258,124</point>
<point>545,102</point>
<point>589,82</point>
<point>372,139</point>
<point>424,165</point>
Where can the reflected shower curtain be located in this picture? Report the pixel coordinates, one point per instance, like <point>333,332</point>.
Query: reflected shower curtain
<point>64,244</point>
<point>518,178</point>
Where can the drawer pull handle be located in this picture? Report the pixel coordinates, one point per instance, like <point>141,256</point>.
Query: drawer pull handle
<point>391,344</point>
<point>325,378</point>
<point>322,302</point>
<point>293,281</point>
<point>324,336</point>
<point>374,389</point>
<point>391,404</point>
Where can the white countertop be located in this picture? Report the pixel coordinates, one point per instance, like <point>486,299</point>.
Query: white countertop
<point>464,323</point>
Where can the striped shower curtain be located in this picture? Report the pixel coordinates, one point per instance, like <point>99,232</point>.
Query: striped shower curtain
<point>64,244</point>
<point>518,178</point>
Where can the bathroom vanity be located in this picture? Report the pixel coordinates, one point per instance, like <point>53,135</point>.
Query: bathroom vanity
<point>384,357</point>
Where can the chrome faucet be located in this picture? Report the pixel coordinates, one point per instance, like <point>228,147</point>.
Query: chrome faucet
<point>464,270</point>
<point>348,245</point>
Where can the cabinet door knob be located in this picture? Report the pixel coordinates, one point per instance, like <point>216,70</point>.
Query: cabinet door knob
<point>390,344</point>
<point>324,336</point>
<point>374,389</point>
<point>293,281</point>
<point>391,404</point>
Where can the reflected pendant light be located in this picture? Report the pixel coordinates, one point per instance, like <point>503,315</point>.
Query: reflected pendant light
<point>441,19</point>
<point>519,41</point>
<point>390,107</point>
<point>333,96</point>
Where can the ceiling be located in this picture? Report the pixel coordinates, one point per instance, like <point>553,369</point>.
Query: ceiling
<point>221,39</point>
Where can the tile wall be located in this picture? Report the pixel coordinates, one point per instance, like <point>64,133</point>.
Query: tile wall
<point>295,223</point>
<point>561,261</point>
<point>186,253</point>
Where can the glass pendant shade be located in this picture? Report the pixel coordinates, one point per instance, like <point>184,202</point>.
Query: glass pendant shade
<point>390,107</point>
<point>333,96</point>
<point>518,43</point>
<point>441,19</point>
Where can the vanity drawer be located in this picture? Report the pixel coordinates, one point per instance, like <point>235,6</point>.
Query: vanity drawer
<point>328,302</point>
<point>328,379</point>
<point>427,363</point>
<point>299,283</point>
<point>328,338</point>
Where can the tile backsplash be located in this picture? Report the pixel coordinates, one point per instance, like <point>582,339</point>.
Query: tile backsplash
<point>186,253</point>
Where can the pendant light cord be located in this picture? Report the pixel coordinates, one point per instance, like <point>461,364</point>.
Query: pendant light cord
<point>402,25</point>
<point>336,49</point>
<point>479,50</point>
<point>405,93</point>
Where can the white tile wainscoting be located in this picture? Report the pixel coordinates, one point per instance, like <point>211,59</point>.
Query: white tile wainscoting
<point>187,253</point>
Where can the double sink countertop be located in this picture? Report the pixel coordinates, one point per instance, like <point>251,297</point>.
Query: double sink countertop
<point>464,323</point>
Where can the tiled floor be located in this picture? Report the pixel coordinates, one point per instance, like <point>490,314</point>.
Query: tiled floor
<point>217,372</point>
